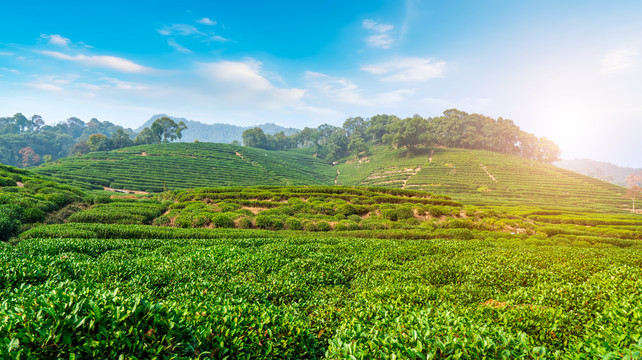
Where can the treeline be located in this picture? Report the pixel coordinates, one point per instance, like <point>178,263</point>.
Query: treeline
<point>162,130</point>
<point>28,141</point>
<point>455,128</point>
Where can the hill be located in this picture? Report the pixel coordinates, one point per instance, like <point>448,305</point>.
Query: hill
<point>482,178</point>
<point>477,177</point>
<point>600,170</point>
<point>217,133</point>
<point>188,165</point>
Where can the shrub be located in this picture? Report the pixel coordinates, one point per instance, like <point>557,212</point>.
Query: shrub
<point>221,220</point>
<point>269,222</point>
<point>293,224</point>
<point>355,218</point>
<point>323,226</point>
<point>310,226</point>
<point>5,181</point>
<point>405,212</point>
<point>32,215</point>
<point>200,220</point>
<point>244,222</point>
<point>389,214</point>
<point>162,220</point>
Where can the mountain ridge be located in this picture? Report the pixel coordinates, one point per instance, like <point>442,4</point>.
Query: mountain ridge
<point>217,132</point>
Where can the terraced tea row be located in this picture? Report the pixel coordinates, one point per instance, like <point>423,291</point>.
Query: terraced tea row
<point>179,166</point>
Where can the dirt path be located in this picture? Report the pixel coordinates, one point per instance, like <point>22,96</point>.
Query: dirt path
<point>417,169</point>
<point>336,179</point>
<point>488,173</point>
<point>432,152</point>
<point>125,191</point>
<point>19,184</point>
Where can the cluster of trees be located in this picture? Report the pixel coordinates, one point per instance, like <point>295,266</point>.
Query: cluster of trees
<point>28,141</point>
<point>454,128</point>
<point>162,130</point>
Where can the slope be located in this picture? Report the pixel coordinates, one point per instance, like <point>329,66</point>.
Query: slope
<point>189,165</point>
<point>483,178</point>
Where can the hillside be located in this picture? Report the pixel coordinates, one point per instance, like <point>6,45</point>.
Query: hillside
<point>217,133</point>
<point>189,165</point>
<point>483,178</point>
<point>600,170</point>
<point>475,176</point>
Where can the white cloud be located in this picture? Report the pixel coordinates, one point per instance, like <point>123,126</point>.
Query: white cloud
<point>102,61</point>
<point>179,29</point>
<point>180,48</point>
<point>6,53</point>
<point>46,87</point>
<point>56,40</point>
<point>218,38</point>
<point>345,91</point>
<point>10,70</point>
<point>206,21</point>
<point>242,83</point>
<point>410,69</point>
<point>382,37</point>
<point>619,60</point>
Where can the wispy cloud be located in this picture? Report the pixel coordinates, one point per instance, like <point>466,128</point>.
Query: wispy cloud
<point>46,87</point>
<point>190,31</point>
<point>101,61</point>
<point>6,53</point>
<point>55,39</point>
<point>381,36</point>
<point>180,48</point>
<point>346,91</point>
<point>409,69</point>
<point>206,21</point>
<point>620,60</point>
<point>242,82</point>
<point>179,29</point>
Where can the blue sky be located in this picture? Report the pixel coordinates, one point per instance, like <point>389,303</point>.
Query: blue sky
<point>567,70</point>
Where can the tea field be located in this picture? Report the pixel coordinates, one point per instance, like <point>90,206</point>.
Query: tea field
<point>160,167</point>
<point>310,272</point>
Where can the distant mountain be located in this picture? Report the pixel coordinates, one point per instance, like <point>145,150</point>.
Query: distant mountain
<point>217,133</point>
<point>600,170</point>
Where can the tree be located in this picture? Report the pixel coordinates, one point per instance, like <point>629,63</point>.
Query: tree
<point>337,145</point>
<point>166,128</point>
<point>358,147</point>
<point>120,139</point>
<point>147,136</point>
<point>29,157</point>
<point>179,130</point>
<point>95,141</point>
<point>377,126</point>
<point>547,151</point>
<point>254,137</point>
<point>355,127</point>
<point>634,191</point>
<point>409,133</point>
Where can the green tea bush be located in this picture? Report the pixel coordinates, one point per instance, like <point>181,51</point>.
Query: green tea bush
<point>244,222</point>
<point>389,214</point>
<point>292,223</point>
<point>405,212</point>
<point>323,226</point>
<point>221,220</point>
<point>269,222</point>
<point>6,181</point>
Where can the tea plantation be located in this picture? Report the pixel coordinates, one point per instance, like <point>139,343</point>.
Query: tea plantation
<point>540,265</point>
<point>162,167</point>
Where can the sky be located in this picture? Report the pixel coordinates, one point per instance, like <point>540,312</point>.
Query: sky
<point>569,70</point>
